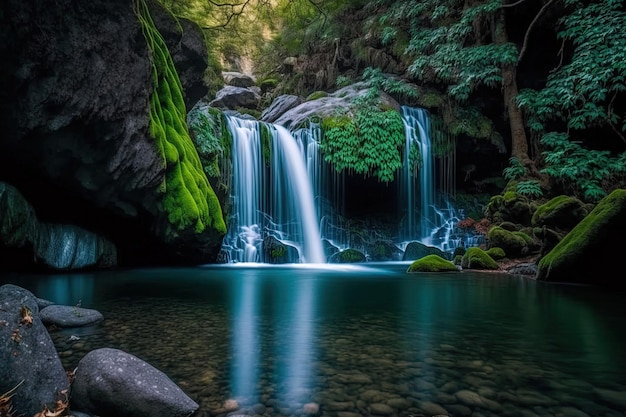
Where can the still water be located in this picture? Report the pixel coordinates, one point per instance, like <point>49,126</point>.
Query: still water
<point>357,340</point>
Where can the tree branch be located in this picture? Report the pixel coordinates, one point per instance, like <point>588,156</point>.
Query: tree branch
<point>527,35</point>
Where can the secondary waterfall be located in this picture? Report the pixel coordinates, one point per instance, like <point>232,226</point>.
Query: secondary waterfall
<point>270,198</point>
<point>417,176</point>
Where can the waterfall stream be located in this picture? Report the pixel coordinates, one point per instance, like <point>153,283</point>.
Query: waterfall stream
<point>297,198</point>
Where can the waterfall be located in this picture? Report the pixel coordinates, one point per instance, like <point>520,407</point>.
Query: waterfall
<point>417,176</point>
<point>270,199</point>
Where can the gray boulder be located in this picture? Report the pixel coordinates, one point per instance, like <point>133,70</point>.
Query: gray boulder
<point>69,316</point>
<point>110,383</point>
<point>231,98</point>
<point>237,79</point>
<point>28,357</point>
<point>279,106</point>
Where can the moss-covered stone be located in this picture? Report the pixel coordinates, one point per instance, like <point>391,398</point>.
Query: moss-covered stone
<point>513,243</point>
<point>347,256</point>
<point>418,250</point>
<point>589,253</point>
<point>562,212</point>
<point>496,253</point>
<point>432,263</point>
<point>188,199</point>
<point>476,258</point>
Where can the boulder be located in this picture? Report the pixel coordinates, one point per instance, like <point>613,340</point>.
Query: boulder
<point>476,258</point>
<point>238,79</point>
<point>29,359</point>
<point>561,213</point>
<point>69,316</point>
<point>432,263</point>
<point>279,106</point>
<point>347,256</point>
<point>110,383</point>
<point>231,98</point>
<point>276,252</point>
<point>417,250</point>
<point>588,253</point>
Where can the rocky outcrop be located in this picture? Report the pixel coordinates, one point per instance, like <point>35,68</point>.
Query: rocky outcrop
<point>76,83</point>
<point>60,247</point>
<point>418,250</point>
<point>231,97</point>
<point>279,106</point>
<point>29,360</point>
<point>110,382</point>
<point>587,254</point>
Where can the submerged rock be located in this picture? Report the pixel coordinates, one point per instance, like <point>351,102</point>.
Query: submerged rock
<point>28,358</point>
<point>69,316</point>
<point>110,382</point>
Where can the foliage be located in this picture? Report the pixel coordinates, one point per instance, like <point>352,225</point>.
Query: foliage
<point>530,188</point>
<point>394,86</point>
<point>581,93</point>
<point>588,174</point>
<point>206,131</point>
<point>366,140</point>
<point>188,200</point>
<point>515,169</point>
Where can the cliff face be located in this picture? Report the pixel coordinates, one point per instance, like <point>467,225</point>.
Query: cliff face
<point>75,89</point>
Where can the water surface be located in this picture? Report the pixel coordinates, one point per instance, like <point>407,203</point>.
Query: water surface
<point>356,340</point>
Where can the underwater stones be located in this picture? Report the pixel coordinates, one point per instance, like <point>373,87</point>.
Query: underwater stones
<point>28,358</point>
<point>110,382</point>
<point>69,316</point>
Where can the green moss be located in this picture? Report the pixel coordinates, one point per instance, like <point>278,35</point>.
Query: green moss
<point>476,258</point>
<point>432,263</point>
<point>513,243</point>
<point>577,256</point>
<point>316,95</point>
<point>188,200</point>
<point>266,143</point>
<point>496,253</point>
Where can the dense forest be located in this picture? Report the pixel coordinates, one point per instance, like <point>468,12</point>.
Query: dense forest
<point>544,77</point>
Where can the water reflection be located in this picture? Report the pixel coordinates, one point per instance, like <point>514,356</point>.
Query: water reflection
<point>68,289</point>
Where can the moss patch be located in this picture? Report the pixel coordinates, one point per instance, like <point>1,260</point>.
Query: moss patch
<point>476,258</point>
<point>432,263</point>
<point>188,200</point>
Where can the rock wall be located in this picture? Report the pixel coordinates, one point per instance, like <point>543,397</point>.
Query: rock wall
<point>74,113</point>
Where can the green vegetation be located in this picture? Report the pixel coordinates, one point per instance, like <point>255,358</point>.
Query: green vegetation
<point>366,140</point>
<point>476,258</point>
<point>432,263</point>
<point>188,200</point>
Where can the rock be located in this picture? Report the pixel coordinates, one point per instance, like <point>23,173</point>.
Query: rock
<point>237,79</point>
<point>231,98</point>
<point>432,263</point>
<point>384,251</point>
<point>110,382</point>
<point>27,354</point>
<point>276,252</point>
<point>69,316</point>
<point>562,212</point>
<point>70,247</point>
<point>588,252</point>
<point>347,256</point>
<point>417,250</point>
<point>279,106</point>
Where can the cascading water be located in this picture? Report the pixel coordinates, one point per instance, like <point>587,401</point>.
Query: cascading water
<point>417,162</point>
<point>273,199</point>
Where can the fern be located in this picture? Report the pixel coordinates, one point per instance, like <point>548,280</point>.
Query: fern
<point>530,189</point>
<point>515,170</point>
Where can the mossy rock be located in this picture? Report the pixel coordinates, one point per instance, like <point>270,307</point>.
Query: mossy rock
<point>432,263</point>
<point>459,251</point>
<point>588,253</point>
<point>276,252</point>
<point>417,250</point>
<point>476,258</point>
<point>347,256</point>
<point>562,212</point>
<point>316,95</point>
<point>496,253</point>
<point>513,243</point>
<point>384,251</point>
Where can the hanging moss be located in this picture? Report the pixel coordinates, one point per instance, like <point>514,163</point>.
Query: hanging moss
<point>188,200</point>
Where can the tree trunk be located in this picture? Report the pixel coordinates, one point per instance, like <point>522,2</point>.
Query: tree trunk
<point>519,143</point>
